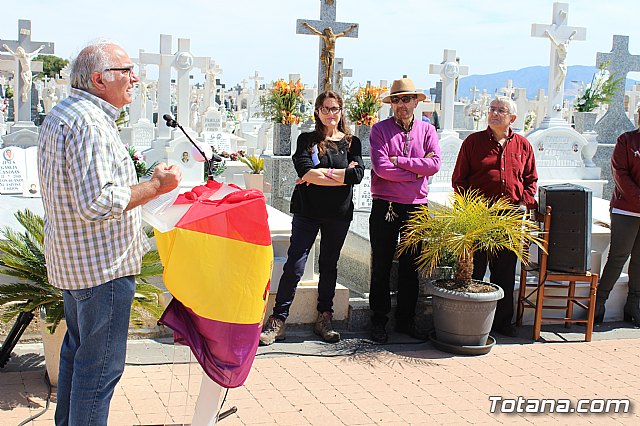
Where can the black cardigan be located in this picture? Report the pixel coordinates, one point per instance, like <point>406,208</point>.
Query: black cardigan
<point>326,202</point>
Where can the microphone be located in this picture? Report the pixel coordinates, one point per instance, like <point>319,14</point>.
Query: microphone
<point>172,122</point>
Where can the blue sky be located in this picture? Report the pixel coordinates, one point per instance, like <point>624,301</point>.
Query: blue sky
<point>395,37</point>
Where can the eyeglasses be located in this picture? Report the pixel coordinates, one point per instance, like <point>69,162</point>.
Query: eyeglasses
<point>332,110</point>
<point>499,111</point>
<point>404,99</point>
<point>128,71</point>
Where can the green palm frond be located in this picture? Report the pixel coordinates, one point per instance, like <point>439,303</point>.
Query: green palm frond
<point>470,223</point>
<point>22,257</point>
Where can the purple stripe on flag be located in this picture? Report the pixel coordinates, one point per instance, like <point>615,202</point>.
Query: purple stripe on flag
<point>224,350</point>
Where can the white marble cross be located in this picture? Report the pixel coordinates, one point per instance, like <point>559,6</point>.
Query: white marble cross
<point>210,84</point>
<point>449,71</point>
<point>339,73</point>
<point>508,90</point>
<point>184,62</point>
<point>560,35</point>
<point>256,81</point>
<point>474,91</point>
<point>23,47</point>
<point>163,60</point>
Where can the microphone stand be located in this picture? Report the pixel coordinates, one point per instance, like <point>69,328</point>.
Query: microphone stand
<point>172,122</point>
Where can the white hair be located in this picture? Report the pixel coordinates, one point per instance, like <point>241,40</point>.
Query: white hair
<point>94,57</point>
<point>506,100</point>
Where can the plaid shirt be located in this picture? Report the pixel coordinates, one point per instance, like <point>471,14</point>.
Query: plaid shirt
<point>85,177</point>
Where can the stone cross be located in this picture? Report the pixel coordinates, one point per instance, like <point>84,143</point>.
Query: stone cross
<point>163,60</point>
<point>11,66</point>
<point>509,90</point>
<point>245,82</point>
<point>522,105</point>
<point>184,62</point>
<point>560,35</point>
<point>436,92</point>
<point>620,62</point>
<point>210,84</point>
<point>449,71</point>
<point>339,73</point>
<point>474,92</point>
<point>328,31</point>
<point>22,79</point>
<point>256,79</point>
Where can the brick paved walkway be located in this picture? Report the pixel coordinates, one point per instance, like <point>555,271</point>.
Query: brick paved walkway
<point>357,383</point>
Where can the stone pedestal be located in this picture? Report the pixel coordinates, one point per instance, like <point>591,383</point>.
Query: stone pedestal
<point>363,133</point>
<point>281,139</point>
<point>602,159</point>
<point>280,178</point>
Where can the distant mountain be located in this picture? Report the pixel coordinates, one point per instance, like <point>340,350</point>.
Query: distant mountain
<point>531,78</point>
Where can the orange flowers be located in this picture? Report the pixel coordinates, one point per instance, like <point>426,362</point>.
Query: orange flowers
<point>364,104</point>
<point>281,103</point>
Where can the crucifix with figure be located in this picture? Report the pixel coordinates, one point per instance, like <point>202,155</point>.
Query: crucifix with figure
<point>449,70</point>
<point>560,34</point>
<point>329,31</point>
<point>23,50</point>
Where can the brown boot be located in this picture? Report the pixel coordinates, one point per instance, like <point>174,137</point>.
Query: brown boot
<point>324,329</point>
<point>273,331</point>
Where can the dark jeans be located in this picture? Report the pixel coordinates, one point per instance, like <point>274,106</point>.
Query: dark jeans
<point>625,242</point>
<point>503,271</point>
<point>93,351</point>
<point>384,239</point>
<point>303,235</point>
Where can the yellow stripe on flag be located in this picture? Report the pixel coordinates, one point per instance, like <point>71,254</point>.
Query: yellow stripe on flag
<point>218,278</point>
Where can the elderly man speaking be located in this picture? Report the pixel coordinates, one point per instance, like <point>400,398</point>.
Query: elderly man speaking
<point>93,232</point>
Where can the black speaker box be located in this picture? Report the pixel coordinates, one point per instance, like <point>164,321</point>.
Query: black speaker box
<point>570,234</point>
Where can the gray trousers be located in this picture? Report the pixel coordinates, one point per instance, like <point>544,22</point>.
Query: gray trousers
<point>625,241</point>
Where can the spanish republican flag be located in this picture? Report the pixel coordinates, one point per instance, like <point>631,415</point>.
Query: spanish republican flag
<point>217,265</point>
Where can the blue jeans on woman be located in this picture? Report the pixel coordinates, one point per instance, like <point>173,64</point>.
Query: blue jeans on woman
<point>304,231</point>
<point>93,351</point>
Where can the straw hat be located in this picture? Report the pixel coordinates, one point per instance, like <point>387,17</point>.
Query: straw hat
<point>404,86</point>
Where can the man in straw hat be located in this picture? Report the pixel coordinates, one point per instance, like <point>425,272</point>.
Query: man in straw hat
<point>404,153</point>
<point>499,163</point>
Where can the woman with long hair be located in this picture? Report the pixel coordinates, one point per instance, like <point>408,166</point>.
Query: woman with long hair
<point>328,162</point>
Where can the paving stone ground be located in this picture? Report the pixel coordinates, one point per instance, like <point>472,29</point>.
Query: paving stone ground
<point>302,381</point>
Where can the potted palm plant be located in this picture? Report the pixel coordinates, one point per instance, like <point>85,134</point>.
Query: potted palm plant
<point>463,308</point>
<point>22,257</point>
<point>254,179</point>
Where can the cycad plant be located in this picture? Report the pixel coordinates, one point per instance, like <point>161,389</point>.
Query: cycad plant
<point>472,222</point>
<point>22,257</point>
<point>256,164</point>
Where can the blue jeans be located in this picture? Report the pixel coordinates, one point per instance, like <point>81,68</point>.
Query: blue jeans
<point>93,351</point>
<point>304,231</point>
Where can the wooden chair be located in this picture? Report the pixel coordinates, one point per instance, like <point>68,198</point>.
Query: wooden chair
<point>532,294</point>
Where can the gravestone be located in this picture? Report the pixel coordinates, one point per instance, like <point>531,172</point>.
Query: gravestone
<point>212,121</point>
<point>142,134</point>
<point>441,181</point>
<point>522,105</point>
<point>558,153</point>
<point>615,121</point>
<point>328,31</point>
<point>620,63</point>
<point>13,170</point>
<point>560,34</point>
<point>362,198</point>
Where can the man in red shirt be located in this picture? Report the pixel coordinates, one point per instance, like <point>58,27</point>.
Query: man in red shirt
<point>498,163</point>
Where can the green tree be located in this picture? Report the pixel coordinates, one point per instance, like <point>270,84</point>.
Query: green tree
<point>51,65</point>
